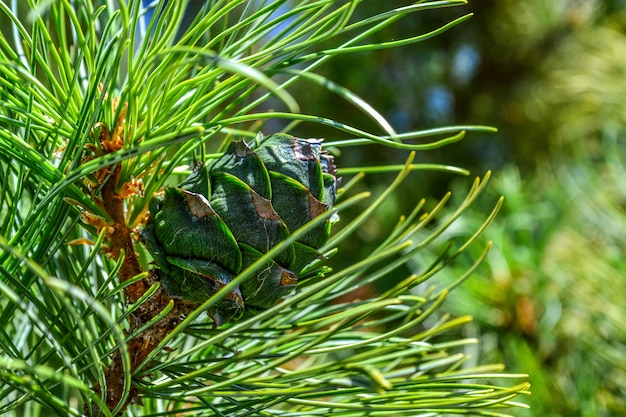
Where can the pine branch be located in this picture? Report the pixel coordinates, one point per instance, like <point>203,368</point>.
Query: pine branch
<point>99,120</point>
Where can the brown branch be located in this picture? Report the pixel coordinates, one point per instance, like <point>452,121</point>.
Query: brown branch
<point>143,344</point>
<point>121,240</point>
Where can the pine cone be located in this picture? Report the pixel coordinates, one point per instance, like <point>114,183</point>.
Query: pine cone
<point>228,214</point>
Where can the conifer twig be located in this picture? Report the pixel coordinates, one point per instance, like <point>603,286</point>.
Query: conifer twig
<point>139,347</point>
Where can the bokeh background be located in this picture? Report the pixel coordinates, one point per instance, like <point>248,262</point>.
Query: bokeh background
<point>550,299</point>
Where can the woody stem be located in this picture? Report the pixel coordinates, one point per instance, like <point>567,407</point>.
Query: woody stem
<point>145,342</point>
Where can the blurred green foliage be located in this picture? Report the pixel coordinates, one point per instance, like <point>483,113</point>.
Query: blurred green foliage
<point>549,297</point>
<point>550,75</point>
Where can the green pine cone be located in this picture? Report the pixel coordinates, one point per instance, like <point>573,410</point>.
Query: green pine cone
<point>229,213</point>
